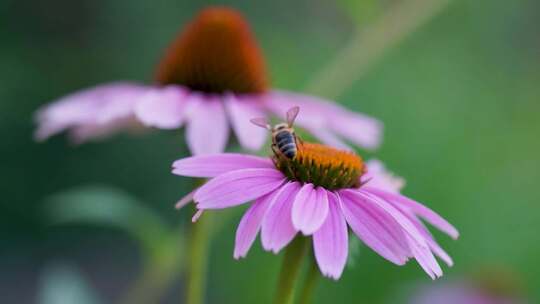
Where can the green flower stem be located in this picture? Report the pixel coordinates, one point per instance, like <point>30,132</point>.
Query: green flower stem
<point>370,43</point>
<point>162,266</point>
<point>310,283</point>
<point>292,262</point>
<point>199,243</point>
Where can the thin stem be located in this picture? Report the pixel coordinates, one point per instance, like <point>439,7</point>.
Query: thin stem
<point>199,242</point>
<point>370,43</point>
<point>162,265</point>
<point>292,262</point>
<point>310,283</point>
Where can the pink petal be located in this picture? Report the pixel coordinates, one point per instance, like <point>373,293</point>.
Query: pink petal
<point>102,110</point>
<point>163,107</point>
<point>437,250</point>
<point>328,137</point>
<point>240,112</point>
<point>310,209</point>
<point>121,102</point>
<point>377,176</point>
<point>249,226</point>
<point>377,230</point>
<point>82,133</point>
<point>47,129</point>
<point>212,165</point>
<point>358,128</point>
<point>207,130</point>
<point>331,241</point>
<point>400,218</point>
<point>237,187</point>
<point>425,258</point>
<point>197,215</point>
<point>316,113</point>
<point>429,215</point>
<point>417,242</point>
<point>186,199</point>
<point>277,228</point>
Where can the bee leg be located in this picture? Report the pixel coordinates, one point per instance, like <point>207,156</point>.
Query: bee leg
<point>276,151</point>
<point>277,154</point>
<point>297,140</point>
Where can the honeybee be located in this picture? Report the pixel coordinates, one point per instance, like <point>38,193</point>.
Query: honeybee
<point>284,140</point>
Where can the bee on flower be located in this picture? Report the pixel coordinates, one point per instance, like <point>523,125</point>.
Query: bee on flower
<point>318,191</point>
<point>212,78</point>
<point>284,140</point>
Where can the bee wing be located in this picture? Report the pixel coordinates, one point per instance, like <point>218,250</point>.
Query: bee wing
<point>261,122</point>
<point>291,115</point>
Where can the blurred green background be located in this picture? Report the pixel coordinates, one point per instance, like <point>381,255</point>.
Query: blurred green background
<point>459,96</point>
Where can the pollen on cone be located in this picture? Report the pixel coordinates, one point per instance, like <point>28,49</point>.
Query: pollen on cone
<point>215,53</point>
<point>323,166</point>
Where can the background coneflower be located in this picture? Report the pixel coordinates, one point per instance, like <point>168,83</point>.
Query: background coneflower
<point>490,285</point>
<point>212,76</point>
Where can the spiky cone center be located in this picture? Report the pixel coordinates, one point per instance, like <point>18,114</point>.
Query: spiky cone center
<point>215,53</point>
<point>322,166</point>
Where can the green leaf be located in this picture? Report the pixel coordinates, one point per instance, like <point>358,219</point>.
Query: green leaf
<point>106,206</point>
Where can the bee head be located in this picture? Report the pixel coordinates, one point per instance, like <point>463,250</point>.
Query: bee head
<point>280,126</point>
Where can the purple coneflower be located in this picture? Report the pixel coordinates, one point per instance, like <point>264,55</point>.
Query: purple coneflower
<point>465,292</point>
<point>212,76</point>
<point>320,192</point>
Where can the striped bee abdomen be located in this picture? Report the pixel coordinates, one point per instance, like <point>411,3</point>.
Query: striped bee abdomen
<point>286,143</point>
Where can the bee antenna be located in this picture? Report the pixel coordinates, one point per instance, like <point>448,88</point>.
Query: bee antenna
<point>261,122</point>
<point>292,113</point>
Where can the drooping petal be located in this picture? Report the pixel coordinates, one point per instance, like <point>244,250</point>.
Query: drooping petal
<point>207,131</point>
<point>331,241</point>
<point>433,245</point>
<point>358,128</point>
<point>400,218</point>
<point>186,199</point>
<point>310,209</point>
<point>240,111</point>
<point>85,132</point>
<point>377,176</point>
<point>328,137</point>
<point>438,251</point>
<point>249,226</point>
<point>417,242</point>
<point>74,109</point>
<point>427,214</point>
<point>101,110</point>
<point>425,258</point>
<point>120,102</point>
<point>163,108</point>
<point>212,165</point>
<point>237,187</point>
<point>322,114</point>
<point>277,229</point>
<point>377,230</point>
